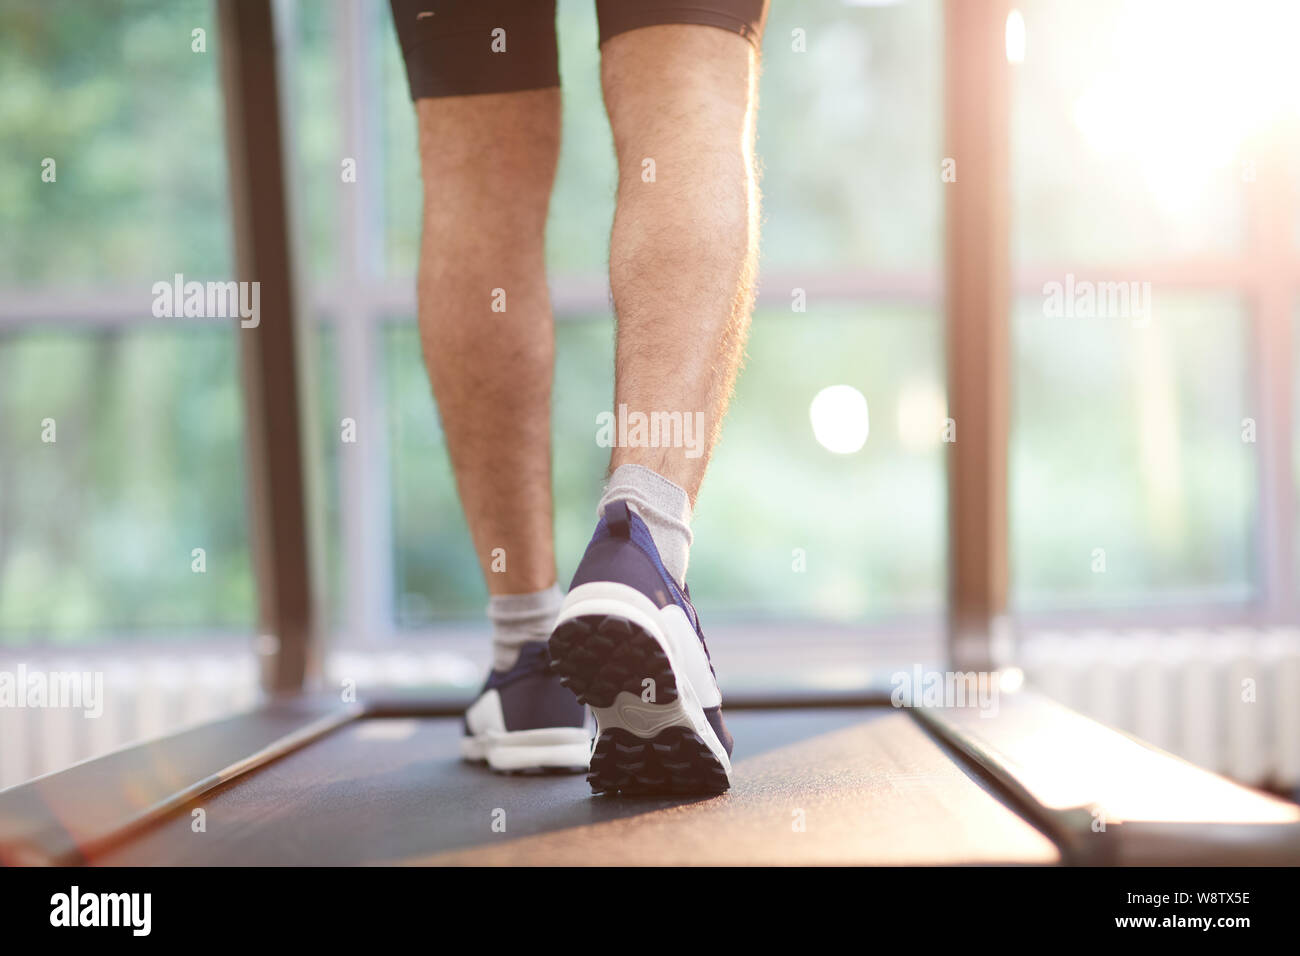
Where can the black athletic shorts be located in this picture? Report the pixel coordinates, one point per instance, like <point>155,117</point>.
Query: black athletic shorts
<point>459,47</point>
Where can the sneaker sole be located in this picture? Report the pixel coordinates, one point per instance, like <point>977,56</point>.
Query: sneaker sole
<point>667,746</point>
<point>545,750</point>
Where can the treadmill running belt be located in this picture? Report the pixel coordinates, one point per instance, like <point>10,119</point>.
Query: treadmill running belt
<point>821,786</point>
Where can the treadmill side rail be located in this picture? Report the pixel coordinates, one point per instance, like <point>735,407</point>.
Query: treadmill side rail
<point>1109,798</point>
<point>63,818</point>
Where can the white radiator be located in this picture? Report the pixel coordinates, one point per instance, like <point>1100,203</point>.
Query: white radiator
<point>1226,699</point>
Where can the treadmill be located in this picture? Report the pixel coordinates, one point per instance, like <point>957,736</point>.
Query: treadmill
<point>309,781</point>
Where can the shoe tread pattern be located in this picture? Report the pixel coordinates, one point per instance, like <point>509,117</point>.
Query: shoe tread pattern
<point>676,761</point>
<point>597,655</point>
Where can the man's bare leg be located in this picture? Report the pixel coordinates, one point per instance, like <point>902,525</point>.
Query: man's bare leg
<point>682,261</point>
<point>681,102</point>
<point>488,165</point>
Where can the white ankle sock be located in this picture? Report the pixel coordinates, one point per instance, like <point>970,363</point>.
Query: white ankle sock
<point>520,618</point>
<point>662,505</point>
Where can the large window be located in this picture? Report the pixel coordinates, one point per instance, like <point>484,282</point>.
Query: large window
<point>1156,268</point>
<point>1133,484</point>
<point>120,434</point>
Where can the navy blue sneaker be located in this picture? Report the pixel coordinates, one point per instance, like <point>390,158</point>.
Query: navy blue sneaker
<point>523,720</point>
<point>628,643</point>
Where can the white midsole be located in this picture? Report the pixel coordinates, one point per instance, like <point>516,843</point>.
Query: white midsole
<point>522,749</point>
<point>628,711</point>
